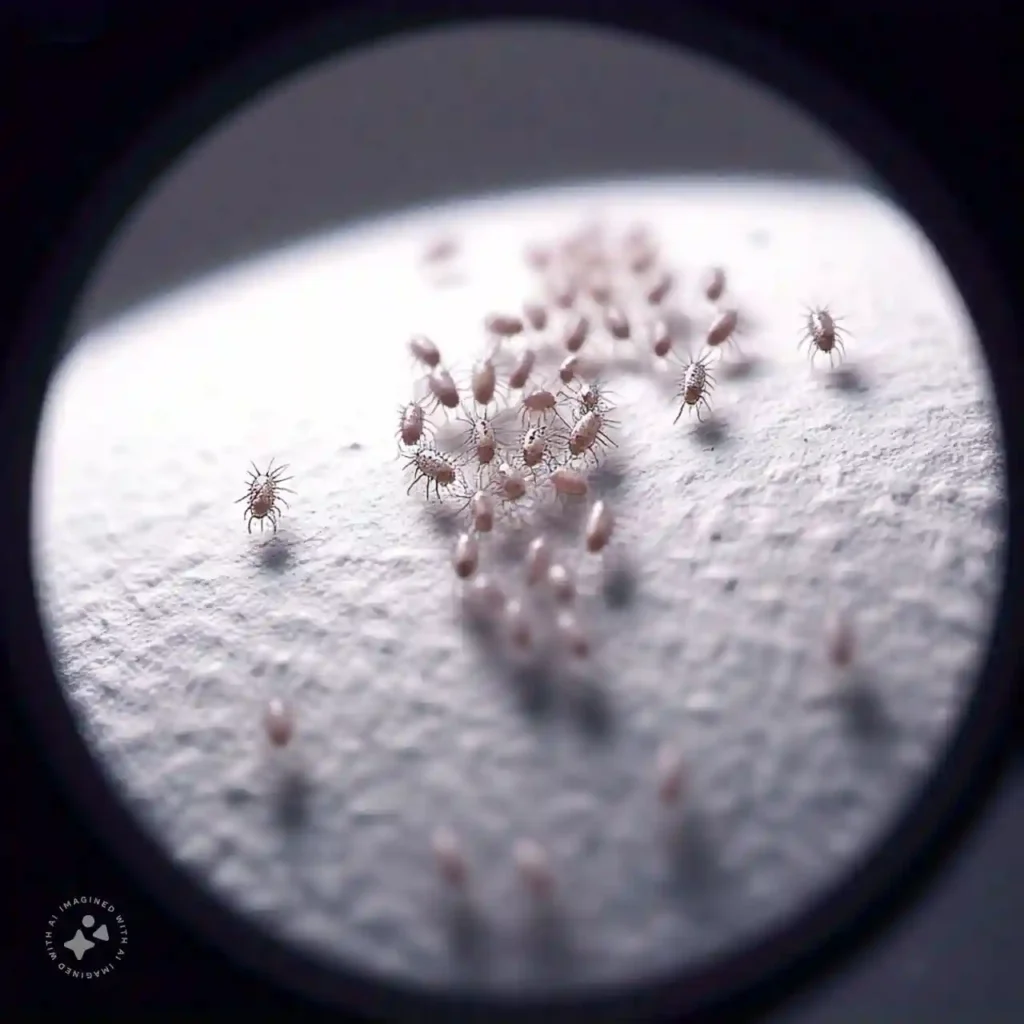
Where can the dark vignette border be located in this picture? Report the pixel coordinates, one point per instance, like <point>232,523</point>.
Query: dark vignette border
<point>766,967</point>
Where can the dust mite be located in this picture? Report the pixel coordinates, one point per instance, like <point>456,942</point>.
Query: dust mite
<point>433,466</point>
<point>443,388</point>
<point>503,325</point>
<point>822,333</point>
<point>451,862</point>
<point>714,284</point>
<point>424,351</point>
<point>661,339</point>
<point>617,323</point>
<point>658,292</point>
<point>670,774</point>
<point>576,331</point>
<point>482,510</point>
<point>694,388</point>
<point>521,371</point>
<point>562,585</point>
<point>278,722</point>
<point>484,382</point>
<point>600,525</point>
<point>568,482</point>
<point>537,560</point>
<point>723,329</point>
<point>536,315</point>
<point>411,424</point>
<point>263,494</point>
<point>572,635</point>
<point>466,556</point>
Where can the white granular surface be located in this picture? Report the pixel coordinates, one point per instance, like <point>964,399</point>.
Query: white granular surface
<point>173,625</point>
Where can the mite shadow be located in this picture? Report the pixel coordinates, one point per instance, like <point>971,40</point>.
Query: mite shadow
<point>865,716</point>
<point>695,860</point>
<point>743,367</point>
<point>466,933</point>
<point>292,796</point>
<point>277,554</point>
<point>619,581</point>
<point>847,379</point>
<point>712,431</point>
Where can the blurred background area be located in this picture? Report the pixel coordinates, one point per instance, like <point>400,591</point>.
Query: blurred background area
<point>440,115</point>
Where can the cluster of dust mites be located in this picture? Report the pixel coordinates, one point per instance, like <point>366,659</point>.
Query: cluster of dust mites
<point>508,446</point>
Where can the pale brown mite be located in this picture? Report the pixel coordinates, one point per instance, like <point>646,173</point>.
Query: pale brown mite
<point>694,388</point>
<point>534,868</point>
<point>563,292</point>
<point>587,431</point>
<point>567,369</point>
<point>536,315</point>
<point>451,861</point>
<point>424,351</point>
<point>484,598</point>
<point>537,560</point>
<point>517,626</point>
<point>600,525</point>
<point>658,292</point>
<point>511,484</point>
<point>841,642</point>
<point>278,723</point>
<point>441,250</point>
<point>600,289</point>
<point>562,585</point>
<point>714,284</point>
<point>823,334</point>
<point>616,323</point>
<point>466,556</point>
<point>482,510</point>
<point>503,325</point>
<point>723,329</point>
<point>434,467</point>
<point>670,771</point>
<point>443,388</point>
<point>534,446</point>
<point>572,635</point>
<point>411,424</point>
<point>569,482</point>
<point>263,494</point>
<point>521,371</point>
<point>661,339</point>
<point>484,382</point>
<point>576,332</point>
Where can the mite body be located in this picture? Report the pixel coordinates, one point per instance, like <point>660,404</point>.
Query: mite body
<point>443,388</point>
<point>723,329</point>
<point>517,625</point>
<point>694,388</point>
<point>536,315</point>
<point>600,525</point>
<point>503,325</point>
<point>571,635</point>
<point>510,484</point>
<point>661,339</point>
<point>617,323</point>
<point>569,483</point>
<point>278,723</point>
<point>822,333</point>
<point>561,583</point>
<point>484,382</point>
<point>534,868</point>
<point>535,446</point>
<point>537,560</point>
<point>588,433</point>
<point>450,859</point>
<point>263,494</point>
<point>670,775</point>
<point>483,442</point>
<point>567,369</point>
<point>659,290</point>
<point>433,466</point>
<point>484,599</point>
<point>540,403</point>
<point>521,371</point>
<point>482,511</point>
<point>466,557</point>
<point>412,422</point>
<point>714,284</point>
<point>424,351</point>
<point>577,330</point>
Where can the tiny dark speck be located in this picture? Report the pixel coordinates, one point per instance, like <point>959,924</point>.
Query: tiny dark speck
<point>355,446</point>
<point>730,584</point>
<point>716,535</point>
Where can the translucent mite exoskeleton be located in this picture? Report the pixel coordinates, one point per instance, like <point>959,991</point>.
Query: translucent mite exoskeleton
<point>503,325</point>
<point>484,382</point>
<point>263,493</point>
<point>482,510</point>
<point>694,387</point>
<point>536,315</point>
<point>659,290</point>
<point>523,368</point>
<point>411,424</point>
<point>723,329</point>
<point>617,324</point>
